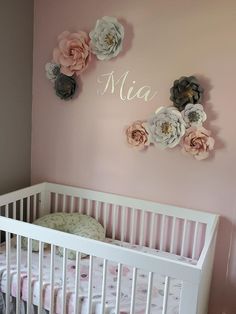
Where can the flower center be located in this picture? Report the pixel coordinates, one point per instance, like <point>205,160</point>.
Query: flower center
<point>194,116</point>
<point>189,93</point>
<point>166,127</point>
<point>137,135</point>
<point>109,39</point>
<point>72,52</point>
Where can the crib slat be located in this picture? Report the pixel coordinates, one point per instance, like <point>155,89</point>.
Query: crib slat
<point>18,244</point>
<point>195,240</point>
<point>77,282</point>
<point>117,311</point>
<point>132,232</point>
<point>162,232</point>
<point>64,281</point>
<point>28,209</point>
<point>72,204</point>
<point>7,211</point>
<point>8,257</point>
<point>105,216</point>
<point>90,285</point>
<point>141,239</point>
<point>14,210</point>
<point>35,207</point>
<point>40,277</point>
<point>96,210</point>
<point>173,235</point>
<point>183,238</point>
<point>104,278</point>
<point>56,203</point>
<point>21,210</point>
<point>166,293</point>
<point>123,225</point>
<point>149,293</point>
<point>63,202</point>
<point>52,263</point>
<point>114,219</point>
<point>80,204</point>
<point>89,207</point>
<point>132,305</point>
<point>152,231</point>
<point>29,262</point>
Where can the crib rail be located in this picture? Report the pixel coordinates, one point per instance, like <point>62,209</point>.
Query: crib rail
<point>175,269</point>
<point>122,256</point>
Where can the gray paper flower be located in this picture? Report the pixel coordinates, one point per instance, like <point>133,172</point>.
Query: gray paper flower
<point>52,71</point>
<point>107,38</point>
<point>186,90</point>
<point>166,127</point>
<point>65,86</point>
<point>193,114</point>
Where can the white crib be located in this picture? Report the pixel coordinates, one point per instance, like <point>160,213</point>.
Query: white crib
<point>187,234</point>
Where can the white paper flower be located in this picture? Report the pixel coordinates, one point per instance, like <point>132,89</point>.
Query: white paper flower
<point>166,127</point>
<point>52,71</point>
<point>193,114</point>
<point>107,38</point>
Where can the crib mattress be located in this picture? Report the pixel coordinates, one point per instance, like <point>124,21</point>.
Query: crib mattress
<point>126,282</point>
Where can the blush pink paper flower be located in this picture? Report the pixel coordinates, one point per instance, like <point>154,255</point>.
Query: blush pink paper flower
<point>72,53</point>
<point>137,135</point>
<point>197,142</point>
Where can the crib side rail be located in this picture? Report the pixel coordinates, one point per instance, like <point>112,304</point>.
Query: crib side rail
<point>189,274</point>
<point>169,228</point>
<point>175,269</point>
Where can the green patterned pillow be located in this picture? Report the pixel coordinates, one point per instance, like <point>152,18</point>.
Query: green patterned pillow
<point>74,223</point>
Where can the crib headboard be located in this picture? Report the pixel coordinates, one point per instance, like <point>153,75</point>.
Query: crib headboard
<point>163,227</point>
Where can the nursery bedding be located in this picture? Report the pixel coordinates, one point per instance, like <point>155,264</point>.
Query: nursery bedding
<point>126,282</point>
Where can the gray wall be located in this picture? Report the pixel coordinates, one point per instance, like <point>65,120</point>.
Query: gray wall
<point>16,42</point>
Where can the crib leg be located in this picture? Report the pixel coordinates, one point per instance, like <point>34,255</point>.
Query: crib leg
<point>189,298</point>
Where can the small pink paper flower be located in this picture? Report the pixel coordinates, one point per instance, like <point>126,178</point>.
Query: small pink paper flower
<point>72,53</point>
<point>137,135</point>
<point>197,142</point>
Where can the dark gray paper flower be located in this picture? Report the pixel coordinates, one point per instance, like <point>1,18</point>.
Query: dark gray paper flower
<point>65,86</point>
<point>186,90</point>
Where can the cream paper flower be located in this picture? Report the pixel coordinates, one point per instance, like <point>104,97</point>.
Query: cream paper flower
<point>166,127</point>
<point>193,114</point>
<point>107,38</point>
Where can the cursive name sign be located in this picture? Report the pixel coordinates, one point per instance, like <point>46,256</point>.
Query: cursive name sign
<point>127,90</point>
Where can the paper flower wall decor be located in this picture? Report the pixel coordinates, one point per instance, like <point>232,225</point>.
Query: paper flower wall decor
<point>178,125</point>
<point>73,53</point>
<point>137,135</point>
<point>107,38</point>
<point>186,90</point>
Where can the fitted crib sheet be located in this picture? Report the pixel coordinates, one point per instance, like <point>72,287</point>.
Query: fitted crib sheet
<point>126,282</point>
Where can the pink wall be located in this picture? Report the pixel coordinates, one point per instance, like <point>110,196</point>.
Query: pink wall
<point>82,142</point>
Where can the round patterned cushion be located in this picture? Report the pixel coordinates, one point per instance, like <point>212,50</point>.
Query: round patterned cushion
<point>74,223</point>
